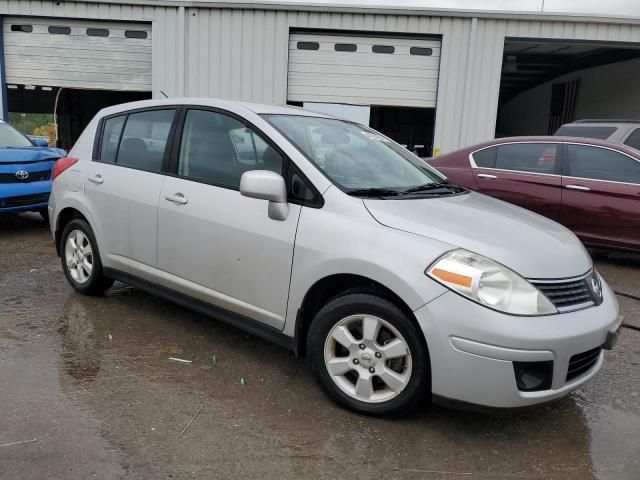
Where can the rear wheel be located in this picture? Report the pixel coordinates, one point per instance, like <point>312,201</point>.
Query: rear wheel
<point>368,355</point>
<point>81,259</point>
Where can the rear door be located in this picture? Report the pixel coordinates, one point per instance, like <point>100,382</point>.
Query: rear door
<point>525,174</point>
<point>123,185</point>
<point>601,195</point>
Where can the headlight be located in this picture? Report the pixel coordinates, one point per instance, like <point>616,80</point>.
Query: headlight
<point>488,283</point>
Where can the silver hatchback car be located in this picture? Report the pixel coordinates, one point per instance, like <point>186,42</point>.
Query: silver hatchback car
<point>332,240</point>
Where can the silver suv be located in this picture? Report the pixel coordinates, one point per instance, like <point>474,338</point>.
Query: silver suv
<point>332,240</point>
<point>625,132</point>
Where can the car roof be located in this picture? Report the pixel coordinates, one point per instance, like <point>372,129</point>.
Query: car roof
<point>230,105</point>
<point>557,139</point>
<point>613,122</point>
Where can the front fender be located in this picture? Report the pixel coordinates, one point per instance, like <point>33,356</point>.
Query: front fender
<point>330,243</point>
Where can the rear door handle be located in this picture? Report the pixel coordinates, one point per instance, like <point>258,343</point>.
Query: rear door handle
<point>577,187</point>
<point>486,175</point>
<point>178,198</point>
<point>97,179</point>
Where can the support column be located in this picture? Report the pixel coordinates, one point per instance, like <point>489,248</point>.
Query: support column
<point>4,110</point>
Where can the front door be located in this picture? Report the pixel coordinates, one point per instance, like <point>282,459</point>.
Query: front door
<point>123,185</point>
<point>601,195</point>
<point>215,244</point>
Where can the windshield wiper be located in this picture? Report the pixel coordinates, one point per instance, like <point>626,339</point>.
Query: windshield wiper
<point>434,186</point>
<point>373,192</point>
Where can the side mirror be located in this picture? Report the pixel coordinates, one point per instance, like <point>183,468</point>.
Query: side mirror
<point>41,142</point>
<point>267,185</point>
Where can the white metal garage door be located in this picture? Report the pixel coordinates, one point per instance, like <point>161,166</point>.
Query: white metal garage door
<point>59,52</point>
<point>363,70</point>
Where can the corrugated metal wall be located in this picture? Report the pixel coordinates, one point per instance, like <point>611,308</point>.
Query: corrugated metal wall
<point>242,54</point>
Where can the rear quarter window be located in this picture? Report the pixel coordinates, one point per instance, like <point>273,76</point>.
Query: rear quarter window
<point>600,133</point>
<point>485,158</point>
<point>110,138</point>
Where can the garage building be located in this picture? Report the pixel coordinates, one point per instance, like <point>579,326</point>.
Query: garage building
<point>434,79</point>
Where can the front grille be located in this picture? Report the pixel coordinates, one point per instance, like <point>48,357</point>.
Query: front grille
<point>568,295</point>
<point>33,177</point>
<point>24,200</point>
<point>582,363</point>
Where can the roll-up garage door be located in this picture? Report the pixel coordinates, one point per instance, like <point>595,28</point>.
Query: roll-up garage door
<point>363,70</point>
<point>59,52</point>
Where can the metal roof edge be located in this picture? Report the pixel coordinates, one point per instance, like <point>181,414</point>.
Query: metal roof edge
<point>377,10</point>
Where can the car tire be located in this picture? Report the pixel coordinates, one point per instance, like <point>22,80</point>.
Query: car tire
<point>370,376</point>
<point>81,259</point>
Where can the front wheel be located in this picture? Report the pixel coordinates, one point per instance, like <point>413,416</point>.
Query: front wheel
<point>81,259</point>
<point>368,355</point>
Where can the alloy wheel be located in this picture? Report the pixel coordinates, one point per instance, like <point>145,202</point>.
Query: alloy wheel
<point>367,358</point>
<point>78,256</point>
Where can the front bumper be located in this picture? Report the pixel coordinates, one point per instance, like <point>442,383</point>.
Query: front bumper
<point>472,348</point>
<point>21,197</point>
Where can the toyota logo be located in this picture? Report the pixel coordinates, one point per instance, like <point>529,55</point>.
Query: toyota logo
<point>22,174</point>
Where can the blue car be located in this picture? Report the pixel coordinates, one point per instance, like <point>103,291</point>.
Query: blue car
<point>25,171</point>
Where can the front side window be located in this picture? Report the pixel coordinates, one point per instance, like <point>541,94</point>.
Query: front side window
<point>110,138</point>
<point>634,139</point>
<point>10,137</point>
<point>355,157</point>
<point>528,157</point>
<point>144,139</point>
<point>218,149</point>
<point>602,164</point>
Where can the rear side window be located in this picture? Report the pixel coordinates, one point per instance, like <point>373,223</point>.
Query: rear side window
<point>485,158</point>
<point>634,139</point>
<point>602,164</point>
<point>144,139</point>
<point>528,157</point>
<point>217,149</point>
<point>111,138</point>
<point>601,133</point>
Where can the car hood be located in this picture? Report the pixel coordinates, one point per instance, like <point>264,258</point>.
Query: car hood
<point>529,244</point>
<point>34,154</point>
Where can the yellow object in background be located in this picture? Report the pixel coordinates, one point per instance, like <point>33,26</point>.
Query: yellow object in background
<point>436,152</point>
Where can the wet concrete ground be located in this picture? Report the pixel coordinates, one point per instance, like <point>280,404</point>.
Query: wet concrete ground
<point>89,379</point>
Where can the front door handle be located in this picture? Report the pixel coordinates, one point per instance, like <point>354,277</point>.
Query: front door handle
<point>577,187</point>
<point>486,175</point>
<point>97,179</point>
<point>178,198</point>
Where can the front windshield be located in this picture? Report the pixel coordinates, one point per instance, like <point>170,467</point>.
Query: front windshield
<point>354,157</point>
<point>10,137</point>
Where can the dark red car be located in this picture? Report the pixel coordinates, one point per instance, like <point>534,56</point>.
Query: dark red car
<point>590,186</point>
